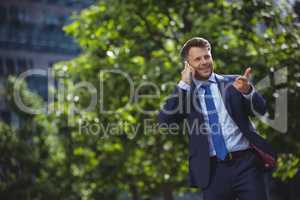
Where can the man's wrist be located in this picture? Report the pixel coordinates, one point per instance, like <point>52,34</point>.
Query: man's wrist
<point>249,90</point>
<point>249,94</point>
<point>183,85</point>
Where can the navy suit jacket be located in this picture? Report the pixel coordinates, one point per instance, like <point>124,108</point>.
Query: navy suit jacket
<point>183,105</point>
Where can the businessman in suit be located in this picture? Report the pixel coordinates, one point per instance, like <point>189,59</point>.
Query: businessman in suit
<point>227,158</point>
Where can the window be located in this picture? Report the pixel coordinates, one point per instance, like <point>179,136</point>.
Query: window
<point>2,14</point>
<point>38,84</point>
<point>13,12</point>
<point>10,66</point>
<point>22,65</point>
<point>5,116</point>
<point>30,64</point>
<point>2,68</point>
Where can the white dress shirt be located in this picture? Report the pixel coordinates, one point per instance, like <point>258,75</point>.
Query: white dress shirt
<point>233,137</point>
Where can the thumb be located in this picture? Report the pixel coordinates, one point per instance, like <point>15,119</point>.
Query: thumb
<point>247,72</point>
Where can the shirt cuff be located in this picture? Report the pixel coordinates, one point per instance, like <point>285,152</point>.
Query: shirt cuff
<point>183,85</point>
<point>249,96</point>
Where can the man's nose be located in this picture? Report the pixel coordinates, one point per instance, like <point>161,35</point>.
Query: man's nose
<point>203,62</point>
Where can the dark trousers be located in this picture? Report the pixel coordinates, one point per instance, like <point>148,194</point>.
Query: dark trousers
<point>241,178</point>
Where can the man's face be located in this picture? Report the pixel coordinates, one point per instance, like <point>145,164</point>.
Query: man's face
<point>201,60</point>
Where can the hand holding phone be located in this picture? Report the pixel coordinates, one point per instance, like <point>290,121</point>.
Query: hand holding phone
<point>187,73</point>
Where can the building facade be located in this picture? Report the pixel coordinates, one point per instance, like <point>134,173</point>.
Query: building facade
<point>31,37</point>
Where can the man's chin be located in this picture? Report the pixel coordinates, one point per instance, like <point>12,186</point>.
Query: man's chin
<point>203,76</point>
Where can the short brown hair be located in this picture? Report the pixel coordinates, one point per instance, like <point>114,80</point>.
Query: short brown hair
<point>193,42</point>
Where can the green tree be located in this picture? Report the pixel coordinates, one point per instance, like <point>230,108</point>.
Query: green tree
<point>142,39</point>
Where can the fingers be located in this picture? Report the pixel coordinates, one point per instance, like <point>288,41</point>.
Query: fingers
<point>188,67</point>
<point>187,73</point>
<point>242,79</point>
<point>247,73</point>
<point>245,77</point>
<point>241,83</point>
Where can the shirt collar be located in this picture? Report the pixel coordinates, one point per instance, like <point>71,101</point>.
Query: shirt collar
<point>211,79</point>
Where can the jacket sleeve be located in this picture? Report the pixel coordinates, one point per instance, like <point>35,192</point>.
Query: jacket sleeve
<point>174,108</point>
<point>255,103</point>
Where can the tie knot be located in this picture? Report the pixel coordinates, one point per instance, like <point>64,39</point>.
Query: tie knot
<point>205,86</point>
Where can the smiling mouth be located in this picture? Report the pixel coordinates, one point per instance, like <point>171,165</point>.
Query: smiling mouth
<point>204,69</point>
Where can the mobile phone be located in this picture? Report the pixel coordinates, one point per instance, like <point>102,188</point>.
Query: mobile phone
<point>191,74</point>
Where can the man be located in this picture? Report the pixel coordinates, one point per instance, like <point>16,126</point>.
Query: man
<point>227,158</point>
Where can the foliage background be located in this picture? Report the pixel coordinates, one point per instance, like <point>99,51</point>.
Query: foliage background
<point>50,157</point>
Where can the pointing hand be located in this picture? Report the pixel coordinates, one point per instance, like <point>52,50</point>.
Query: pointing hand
<point>242,83</point>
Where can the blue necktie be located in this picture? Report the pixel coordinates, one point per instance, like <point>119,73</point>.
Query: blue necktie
<point>214,124</point>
